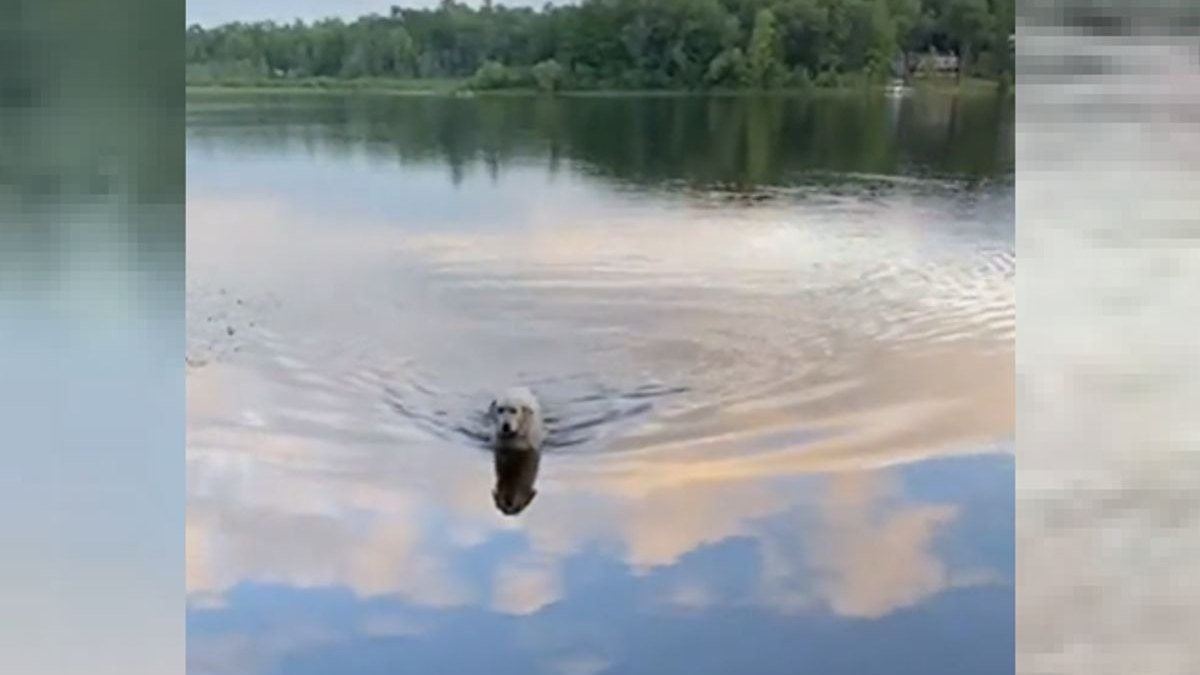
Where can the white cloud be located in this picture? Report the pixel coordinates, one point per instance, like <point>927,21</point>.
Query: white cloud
<point>526,586</point>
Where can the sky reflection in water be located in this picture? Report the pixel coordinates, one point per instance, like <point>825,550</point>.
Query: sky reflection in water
<point>786,378</point>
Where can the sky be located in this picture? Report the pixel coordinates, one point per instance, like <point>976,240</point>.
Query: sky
<point>212,12</point>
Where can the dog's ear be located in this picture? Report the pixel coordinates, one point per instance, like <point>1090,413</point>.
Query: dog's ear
<point>492,408</point>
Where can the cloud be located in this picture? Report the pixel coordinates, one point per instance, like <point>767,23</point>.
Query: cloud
<point>256,514</point>
<point>259,512</point>
<point>864,555</point>
<point>871,562</point>
<point>526,586</point>
<point>661,527</point>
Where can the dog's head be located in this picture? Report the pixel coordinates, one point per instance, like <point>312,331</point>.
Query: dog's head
<point>510,418</point>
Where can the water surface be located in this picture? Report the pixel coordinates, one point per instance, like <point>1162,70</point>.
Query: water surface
<point>773,337</point>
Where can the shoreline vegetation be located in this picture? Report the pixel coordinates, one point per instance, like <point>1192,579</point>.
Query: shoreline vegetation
<point>628,47</point>
<point>462,87</point>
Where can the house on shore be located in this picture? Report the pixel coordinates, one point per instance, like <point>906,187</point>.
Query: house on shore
<point>924,64</point>
<point>934,63</point>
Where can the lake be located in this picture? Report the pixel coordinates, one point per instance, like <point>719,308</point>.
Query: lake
<point>773,337</point>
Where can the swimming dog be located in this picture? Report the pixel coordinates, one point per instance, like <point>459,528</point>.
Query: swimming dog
<point>517,434</point>
<point>516,420</point>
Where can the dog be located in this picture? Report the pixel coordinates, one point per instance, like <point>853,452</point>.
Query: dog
<point>517,433</point>
<point>516,421</point>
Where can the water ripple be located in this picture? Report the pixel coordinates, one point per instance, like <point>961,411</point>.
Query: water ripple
<point>724,329</point>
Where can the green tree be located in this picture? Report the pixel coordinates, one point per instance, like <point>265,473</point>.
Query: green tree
<point>629,43</point>
<point>970,23</point>
<point>493,75</point>
<point>549,75</point>
<point>1003,27</point>
<point>882,40</point>
<point>803,33</point>
<point>727,69</point>
<point>908,28</point>
<point>764,64</point>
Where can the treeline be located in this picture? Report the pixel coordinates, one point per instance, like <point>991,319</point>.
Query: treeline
<point>626,44</point>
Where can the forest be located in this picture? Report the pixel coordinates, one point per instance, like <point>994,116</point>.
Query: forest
<point>621,44</point>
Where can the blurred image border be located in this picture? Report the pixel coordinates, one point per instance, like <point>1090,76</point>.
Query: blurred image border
<point>92,398</point>
<point>1108,365</point>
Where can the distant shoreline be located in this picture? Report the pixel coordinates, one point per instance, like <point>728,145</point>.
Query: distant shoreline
<point>461,87</point>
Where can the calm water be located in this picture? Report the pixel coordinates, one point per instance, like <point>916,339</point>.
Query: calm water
<point>774,338</point>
